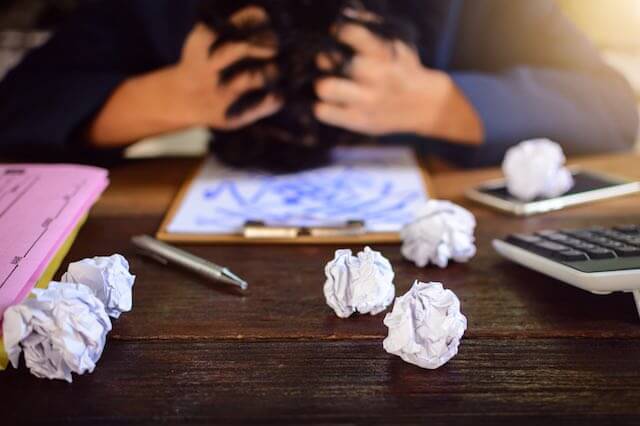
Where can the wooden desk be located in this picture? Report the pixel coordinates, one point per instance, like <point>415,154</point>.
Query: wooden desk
<point>191,352</point>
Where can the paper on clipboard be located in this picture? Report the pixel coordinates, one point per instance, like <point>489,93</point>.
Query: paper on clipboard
<point>376,185</point>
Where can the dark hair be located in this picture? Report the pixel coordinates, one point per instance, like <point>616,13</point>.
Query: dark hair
<point>293,139</point>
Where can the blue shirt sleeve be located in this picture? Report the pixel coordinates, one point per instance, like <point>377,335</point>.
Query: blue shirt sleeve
<point>530,73</point>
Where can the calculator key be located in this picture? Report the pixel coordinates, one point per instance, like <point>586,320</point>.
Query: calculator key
<point>550,249</point>
<point>612,243</point>
<point>600,253</point>
<point>628,229</point>
<point>625,238</point>
<point>595,238</point>
<point>522,240</point>
<point>556,237</point>
<point>581,234</point>
<point>602,241</point>
<point>580,245</point>
<point>634,241</point>
<point>614,235</point>
<point>628,251</point>
<point>548,245</point>
<point>571,256</point>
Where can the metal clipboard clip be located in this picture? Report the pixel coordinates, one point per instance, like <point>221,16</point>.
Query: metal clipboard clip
<point>259,230</point>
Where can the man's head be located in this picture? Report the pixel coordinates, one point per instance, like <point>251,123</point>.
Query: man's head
<point>302,29</point>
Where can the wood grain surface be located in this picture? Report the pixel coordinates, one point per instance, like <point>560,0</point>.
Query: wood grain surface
<point>492,381</point>
<point>194,352</point>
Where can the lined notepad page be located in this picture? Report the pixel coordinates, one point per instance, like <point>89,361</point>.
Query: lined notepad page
<point>40,206</point>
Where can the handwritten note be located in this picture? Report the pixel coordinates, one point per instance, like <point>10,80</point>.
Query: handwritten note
<point>381,186</point>
<point>40,206</point>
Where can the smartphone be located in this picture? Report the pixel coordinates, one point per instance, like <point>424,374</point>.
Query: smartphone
<point>589,187</point>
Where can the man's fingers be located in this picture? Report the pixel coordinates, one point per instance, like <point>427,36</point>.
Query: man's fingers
<point>363,41</point>
<point>324,62</point>
<point>252,80</point>
<point>365,69</point>
<point>369,71</point>
<point>254,16</point>
<point>250,15</point>
<point>269,106</point>
<point>264,47</point>
<point>362,15</point>
<point>199,41</point>
<point>231,53</point>
<point>328,61</point>
<point>339,116</point>
<point>341,91</point>
<point>405,53</point>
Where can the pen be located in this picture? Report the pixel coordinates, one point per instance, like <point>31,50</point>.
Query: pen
<point>164,253</point>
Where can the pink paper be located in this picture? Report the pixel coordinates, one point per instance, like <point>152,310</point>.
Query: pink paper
<point>40,205</point>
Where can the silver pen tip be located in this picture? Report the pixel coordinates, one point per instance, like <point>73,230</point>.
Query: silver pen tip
<point>239,281</point>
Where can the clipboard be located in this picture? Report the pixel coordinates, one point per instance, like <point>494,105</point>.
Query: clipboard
<point>256,233</point>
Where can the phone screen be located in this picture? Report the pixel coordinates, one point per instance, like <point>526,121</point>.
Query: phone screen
<point>584,182</point>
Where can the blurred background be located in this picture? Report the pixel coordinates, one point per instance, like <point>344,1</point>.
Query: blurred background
<point>613,25</point>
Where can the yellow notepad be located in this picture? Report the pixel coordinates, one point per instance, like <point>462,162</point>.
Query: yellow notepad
<point>46,278</point>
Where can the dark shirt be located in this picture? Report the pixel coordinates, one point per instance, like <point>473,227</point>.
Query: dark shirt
<point>527,71</point>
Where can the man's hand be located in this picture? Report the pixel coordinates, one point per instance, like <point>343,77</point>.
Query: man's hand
<point>204,97</point>
<point>187,94</point>
<point>390,91</point>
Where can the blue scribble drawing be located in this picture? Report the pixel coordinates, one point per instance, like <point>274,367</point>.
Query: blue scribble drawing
<point>381,190</point>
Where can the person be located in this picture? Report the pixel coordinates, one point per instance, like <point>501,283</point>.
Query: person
<point>504,71</point>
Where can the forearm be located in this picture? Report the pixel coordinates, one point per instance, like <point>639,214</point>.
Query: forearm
<point>452,118</point>
<point>142,106</point>
<point>586,112</point>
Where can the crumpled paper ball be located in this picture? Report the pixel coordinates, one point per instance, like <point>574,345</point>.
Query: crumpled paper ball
<point>362,283</point>
<point>62,330</point>
<point>109,278</point>
<point>425,326</point>
<point>536,168</point>
<point>441,231</point>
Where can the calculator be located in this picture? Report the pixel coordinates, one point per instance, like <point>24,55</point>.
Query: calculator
<point>599,260</point>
